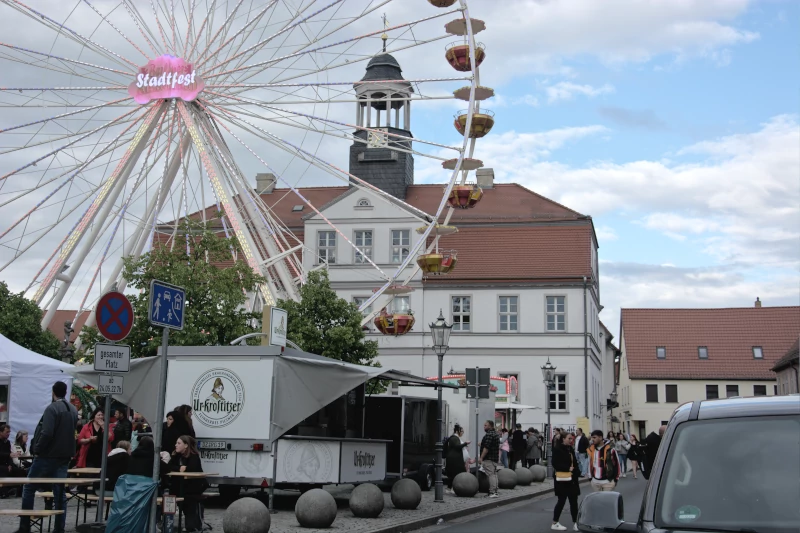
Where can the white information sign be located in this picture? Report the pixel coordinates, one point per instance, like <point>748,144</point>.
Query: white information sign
<point>362,461</point>
<point>112,357</point>
<point>109,385</point>
<point>308,461</point>
<point>278,323</point>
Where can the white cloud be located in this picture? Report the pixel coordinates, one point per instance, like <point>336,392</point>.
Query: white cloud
<point>528,100</point>
<point>566,90</point>
<point>606,233</point>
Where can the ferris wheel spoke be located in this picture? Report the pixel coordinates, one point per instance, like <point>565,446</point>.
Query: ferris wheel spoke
<point>222,26</point>
<point>199,32</point>
<point>331,168</point>
<point>61,28</point>
<point>272,62</point>
<point>101,206</point>
<point>105,18</point>
<point>241,30</point>
<point>62,115</point>
<point>34,60</point>
<point>65,146</point>
<point>303,198</point>
<point>138,21</point>
<point>167,47</point>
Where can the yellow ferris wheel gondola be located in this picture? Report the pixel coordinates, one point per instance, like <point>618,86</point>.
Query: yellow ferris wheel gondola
<point>437,263</point>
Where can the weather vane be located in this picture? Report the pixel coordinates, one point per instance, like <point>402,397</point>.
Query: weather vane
<point>384,36</point>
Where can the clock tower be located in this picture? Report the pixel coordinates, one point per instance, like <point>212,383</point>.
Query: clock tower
<point>380,155</point>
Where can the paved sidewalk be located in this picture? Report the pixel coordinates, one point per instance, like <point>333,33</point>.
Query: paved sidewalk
<point>391,520</point>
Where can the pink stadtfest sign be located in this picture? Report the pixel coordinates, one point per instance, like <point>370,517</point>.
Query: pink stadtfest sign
<point>166,77</point>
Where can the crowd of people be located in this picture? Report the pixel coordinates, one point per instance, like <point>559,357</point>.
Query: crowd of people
<point>601,459</point>
<point>61,441</point>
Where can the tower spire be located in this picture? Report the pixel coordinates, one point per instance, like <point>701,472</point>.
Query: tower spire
<point>384,36</point>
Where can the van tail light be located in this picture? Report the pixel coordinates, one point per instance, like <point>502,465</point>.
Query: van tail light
<point>258,447</point>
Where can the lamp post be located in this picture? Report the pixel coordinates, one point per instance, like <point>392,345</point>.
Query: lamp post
<point>549,375</point>
<point>440,331</point>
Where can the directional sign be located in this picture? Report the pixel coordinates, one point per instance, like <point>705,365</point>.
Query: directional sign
<point>114,316</point>
<point>278,324</point>
<point>109,385</point>
<point>112,357</point>
<point>478,383</point>
<point>166,305</point>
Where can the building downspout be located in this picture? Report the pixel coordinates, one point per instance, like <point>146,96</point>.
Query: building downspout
<point>585,355</point>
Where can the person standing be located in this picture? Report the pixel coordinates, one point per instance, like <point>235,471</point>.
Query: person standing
<point>93,442</point>
<point>490,456</point>
<point>566,481</point>
<point>622,446</point>
<point>518,447</point>
<point>505,447</point>
<point>581,447</point>
<point>652,442</point>
<point>123,430</point>
<point>635,454</point>
<point>53,447</point>
<point>454,460</point>
<point>533,453</point>
<point>603,464</point>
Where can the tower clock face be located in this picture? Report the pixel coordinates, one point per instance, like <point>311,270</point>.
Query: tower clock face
<point>377,139</point>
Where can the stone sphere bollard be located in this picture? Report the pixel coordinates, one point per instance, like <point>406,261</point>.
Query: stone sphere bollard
<point>466,485</point>
<point>246,515</point>
<point>315,508</point>
<point>366,501</point>
<point>539,473</point>
<point>506,479</point>
<point>524,477</point>
<point>406,494</point>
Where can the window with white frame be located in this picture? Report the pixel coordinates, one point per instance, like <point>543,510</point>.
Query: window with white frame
<point>326,246</point>
<point>509,313</point>
<point>363,240</point>
<point>556,313</point>
<point>462,313</point>
<point>400,304</point>
<point>359,300</point>
<point>558,395</point>
<point>401,244</point>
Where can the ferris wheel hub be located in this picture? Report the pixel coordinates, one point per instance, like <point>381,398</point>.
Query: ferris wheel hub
<point>166,77</point>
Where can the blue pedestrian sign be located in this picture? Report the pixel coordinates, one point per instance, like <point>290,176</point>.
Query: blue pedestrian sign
<point>166,305</point>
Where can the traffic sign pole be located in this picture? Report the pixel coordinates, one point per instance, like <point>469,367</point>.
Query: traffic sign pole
<point>166,309</point>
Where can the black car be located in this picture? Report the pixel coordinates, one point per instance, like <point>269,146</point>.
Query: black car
<point>723,466</point>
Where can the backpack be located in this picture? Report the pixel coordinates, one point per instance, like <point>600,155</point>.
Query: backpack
<point>610,468</point>
<point>445,445</point>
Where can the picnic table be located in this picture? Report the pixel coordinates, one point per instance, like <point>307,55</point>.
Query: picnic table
<point>38,516</point>
<point>184,476</point>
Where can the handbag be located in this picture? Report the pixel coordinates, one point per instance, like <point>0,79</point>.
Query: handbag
<point>563,476</point>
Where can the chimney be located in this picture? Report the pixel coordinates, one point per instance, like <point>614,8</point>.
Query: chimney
<point>758,302</point>
<point>485,177</point>
<point>265,182</point>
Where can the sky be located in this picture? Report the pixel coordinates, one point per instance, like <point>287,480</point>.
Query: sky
<point>673,123</point>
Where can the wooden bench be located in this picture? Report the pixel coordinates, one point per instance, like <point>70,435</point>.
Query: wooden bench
<point>109,499</point>
<point>36,516</point>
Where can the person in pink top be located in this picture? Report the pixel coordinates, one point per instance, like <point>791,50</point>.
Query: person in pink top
<point>504,447</point>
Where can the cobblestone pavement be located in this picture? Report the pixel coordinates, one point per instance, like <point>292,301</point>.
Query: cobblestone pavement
<point>284,521</point>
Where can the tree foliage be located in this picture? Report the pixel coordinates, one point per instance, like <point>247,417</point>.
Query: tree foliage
<point>324,324</point>
<point>20,322</point>
<point>215,287</point>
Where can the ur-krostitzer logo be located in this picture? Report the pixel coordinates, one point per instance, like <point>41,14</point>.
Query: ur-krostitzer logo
<point>217,397</point>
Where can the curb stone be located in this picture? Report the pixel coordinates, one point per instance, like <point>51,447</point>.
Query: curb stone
<point>420,523</point>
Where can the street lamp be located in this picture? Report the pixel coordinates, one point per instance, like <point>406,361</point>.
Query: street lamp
<point>549,375</point>
<point>440,331</point>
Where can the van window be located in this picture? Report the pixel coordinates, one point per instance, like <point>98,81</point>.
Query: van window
<point>762,488</point>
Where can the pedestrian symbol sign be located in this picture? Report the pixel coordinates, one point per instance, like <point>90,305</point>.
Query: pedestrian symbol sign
<point>167,304</point>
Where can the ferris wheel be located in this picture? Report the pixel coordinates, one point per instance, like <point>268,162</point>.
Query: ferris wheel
<point>120,119</point>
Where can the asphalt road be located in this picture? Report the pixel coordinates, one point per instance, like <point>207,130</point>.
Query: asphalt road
<point>535,516</point>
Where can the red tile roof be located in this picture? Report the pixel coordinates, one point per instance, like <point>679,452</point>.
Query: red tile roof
<point>502,253</point>
<point>730,335</point>
<point>513,234</point>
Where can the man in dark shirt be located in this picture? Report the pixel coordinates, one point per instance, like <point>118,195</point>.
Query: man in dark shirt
<point>489,458</point>
<point>53,446</point>
<point>518,446</point>
<point>652,442</point>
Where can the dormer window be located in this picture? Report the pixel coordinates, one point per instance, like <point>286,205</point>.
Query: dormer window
<point>661,352</point>
<point>363,203</point>
<point>297,208</point>
<point>758,352</point>
<point>702,352</point>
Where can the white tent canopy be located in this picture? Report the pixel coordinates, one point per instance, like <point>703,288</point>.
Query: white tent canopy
<point>304,382</point>
<point>29,377</point>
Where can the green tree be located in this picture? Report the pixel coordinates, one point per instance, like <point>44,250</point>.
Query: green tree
<point>215,293</point>
<point>324,324</point>
<point>20,320</point>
